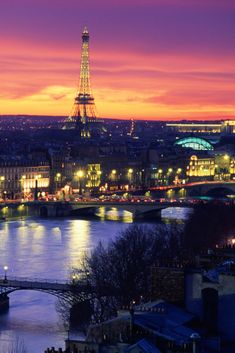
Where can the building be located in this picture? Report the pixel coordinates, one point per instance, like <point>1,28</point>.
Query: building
<point>195,143</point>
<point>19,178</point>
<point>149,328</point>
<point>225,127</point>
<point>213,167</point>
<point>195,127</point>
<point>201,168</point>
<point>210,295</point>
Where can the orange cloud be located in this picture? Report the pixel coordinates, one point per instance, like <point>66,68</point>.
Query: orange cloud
<point>42,80</point>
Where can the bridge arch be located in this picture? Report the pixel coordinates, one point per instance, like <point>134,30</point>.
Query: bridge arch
<point>69,297</point>
<point>220,191</point>
<point>43,211</point>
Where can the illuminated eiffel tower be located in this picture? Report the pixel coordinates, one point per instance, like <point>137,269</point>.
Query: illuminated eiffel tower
<point>84,110</point>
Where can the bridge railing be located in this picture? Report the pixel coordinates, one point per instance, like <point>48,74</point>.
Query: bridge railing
<point>33,280</point>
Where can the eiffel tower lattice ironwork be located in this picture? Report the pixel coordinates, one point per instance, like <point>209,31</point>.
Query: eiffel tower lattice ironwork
<point>84,110</point>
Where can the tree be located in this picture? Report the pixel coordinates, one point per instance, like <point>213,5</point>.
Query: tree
<point>120,272</point>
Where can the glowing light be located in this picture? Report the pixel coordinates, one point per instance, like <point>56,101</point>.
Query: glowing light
<point>80,174</point>
<point>195,143</point>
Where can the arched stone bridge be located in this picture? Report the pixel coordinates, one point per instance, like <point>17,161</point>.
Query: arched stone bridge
<point>212,188</point>
<point>86,208</point>
<point>200,188</point>
<point>208,188</point>
<point>138,209</point>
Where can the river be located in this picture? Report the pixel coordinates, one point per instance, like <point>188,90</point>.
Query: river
<point>48,248</point>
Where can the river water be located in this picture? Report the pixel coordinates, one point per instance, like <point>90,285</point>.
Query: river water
<point>48,248</point>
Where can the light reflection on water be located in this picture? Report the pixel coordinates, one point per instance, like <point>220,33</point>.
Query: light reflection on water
<point>47,248</point>
<point>178,213</point>
<point>38,248</point>
<point>113,214</point>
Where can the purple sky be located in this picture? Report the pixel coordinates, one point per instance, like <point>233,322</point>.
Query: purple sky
<point>162,57</point>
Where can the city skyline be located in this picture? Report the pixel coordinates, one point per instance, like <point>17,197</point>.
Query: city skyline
<point>150,59</point>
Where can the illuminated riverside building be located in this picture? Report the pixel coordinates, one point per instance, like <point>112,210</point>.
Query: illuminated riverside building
<point>19,178</point>
<point>217,167</point>
<point>225,126</point>
<point>201,168</point>
<point>125,177</point>
<point>214,128</point>
<point>92,176</point>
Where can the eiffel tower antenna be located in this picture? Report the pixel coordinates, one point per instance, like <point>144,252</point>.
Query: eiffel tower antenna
<point>84,110</point>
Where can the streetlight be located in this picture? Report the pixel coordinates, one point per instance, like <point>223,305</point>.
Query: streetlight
<point>36,186</point>
<point>113,174</point>
<point>159,176</point>
<point>80,175</point>
<point>130,175</point>
<point>58,179</point>
<point>73,279</point>
<point>196,342</point>
<point>132,311</point>
<point>5,272</point>
<point>22,184</point>
<point>2,179</point>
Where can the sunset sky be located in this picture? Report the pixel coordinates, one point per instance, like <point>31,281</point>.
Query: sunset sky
<point>150,59</point>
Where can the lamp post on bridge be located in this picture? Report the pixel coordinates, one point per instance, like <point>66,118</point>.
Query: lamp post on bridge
<point>5,272</point>
<point>73,279</point>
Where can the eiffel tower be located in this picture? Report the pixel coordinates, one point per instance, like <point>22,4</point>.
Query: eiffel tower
<point>84,110</point>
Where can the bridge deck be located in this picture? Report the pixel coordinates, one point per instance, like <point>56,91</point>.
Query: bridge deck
<point>23,283</point>
<point>110,203</point>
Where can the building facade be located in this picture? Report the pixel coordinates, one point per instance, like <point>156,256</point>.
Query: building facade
<point>18,179</point>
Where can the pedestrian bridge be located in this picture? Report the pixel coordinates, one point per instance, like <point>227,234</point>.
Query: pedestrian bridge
<point>68,291</point>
